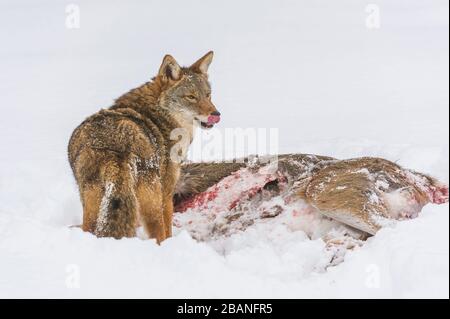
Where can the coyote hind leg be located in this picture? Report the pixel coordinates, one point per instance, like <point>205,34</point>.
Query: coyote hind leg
<point>150,201</point>
<point>91,197</point>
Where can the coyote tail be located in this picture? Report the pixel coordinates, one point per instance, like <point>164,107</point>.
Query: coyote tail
<point>117,216</point>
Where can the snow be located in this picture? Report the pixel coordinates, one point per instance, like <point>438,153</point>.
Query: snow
<point>311,69</point>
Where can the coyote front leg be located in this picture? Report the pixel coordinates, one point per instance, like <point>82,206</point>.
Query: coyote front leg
<point>168,214</point>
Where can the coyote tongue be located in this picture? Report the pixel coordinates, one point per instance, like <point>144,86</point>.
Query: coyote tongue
<point>213,119</point>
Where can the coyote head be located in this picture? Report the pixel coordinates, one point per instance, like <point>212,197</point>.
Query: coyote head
<point>187,92</point>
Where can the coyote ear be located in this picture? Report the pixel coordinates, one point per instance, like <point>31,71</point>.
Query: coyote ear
<point>169,68</point>
<point>203,63</point>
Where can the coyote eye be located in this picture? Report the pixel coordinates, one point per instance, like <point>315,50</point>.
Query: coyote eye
<point>208,95</point>
<point>191,97</point>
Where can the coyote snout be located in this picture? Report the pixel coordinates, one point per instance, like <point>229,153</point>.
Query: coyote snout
<point>207,115</point>
<point>213,118</point>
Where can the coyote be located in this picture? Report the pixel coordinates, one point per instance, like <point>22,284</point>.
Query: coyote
<point>126,159</point>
